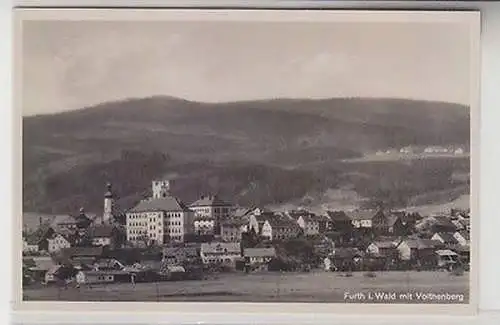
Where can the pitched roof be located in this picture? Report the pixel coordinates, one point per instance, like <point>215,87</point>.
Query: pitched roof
<point>465,234</point>
<point>232,222</point>
<point>67,235</point>
<point>259,252</point>
<point>384,244</point>
<point>43,232</point>
<point>423,243</point>
<point>443,221</point>
<point>204,218</point>
<point>361,214</point>
<point>168,203</point>
<point>448,237</point>
<point>220,248</point>
<point>211,200</point>
<point>338,216</point>
<point>40,263</point>
<point>241,212</point>
<point>392,218</point>
<point>63,220</point>
<point>281,222</point>
<point>346,252</point>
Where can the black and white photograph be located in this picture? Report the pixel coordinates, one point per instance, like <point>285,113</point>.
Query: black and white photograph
<point>228,158</point>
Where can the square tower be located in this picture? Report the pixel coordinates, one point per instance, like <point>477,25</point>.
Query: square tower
<point>161,189</point>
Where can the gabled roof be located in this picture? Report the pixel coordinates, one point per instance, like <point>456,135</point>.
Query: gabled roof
<point>213,248</point>
<point>259,252</point>
<point>423,243</point>
<point>62,220</point>
<point>346,252</point>
<point>42,263</point>
<point>361,214</point>
<point>169,204</point>
<point>443,221</point>
<point>232,222</point>
<point>210,201</point>
<point>338,216</point>
<point>392,218</point>
<point>43,232</point>
<point>384,244</point>
<point>448,237</point>
<point>67,235</point>
<point>281,222</point>
<point>313,218</point>
<point>241,212</point>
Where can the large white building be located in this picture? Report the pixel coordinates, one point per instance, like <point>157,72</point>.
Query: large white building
<point>159,219</point>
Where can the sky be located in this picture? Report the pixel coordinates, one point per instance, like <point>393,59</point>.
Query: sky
<point>69,65</point>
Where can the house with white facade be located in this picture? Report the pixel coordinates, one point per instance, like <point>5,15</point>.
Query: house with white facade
<point>361,218</point>
<point>159,219</point>
<point>57,242</point>
<point>220,253</point>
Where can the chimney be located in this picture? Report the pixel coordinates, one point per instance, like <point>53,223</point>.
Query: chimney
<point>40,221</point>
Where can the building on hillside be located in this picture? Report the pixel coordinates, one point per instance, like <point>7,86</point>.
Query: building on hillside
<point>204,225</point>
<point>65,223</point>
<point>436,224</point>
<point>311,223</point>
<point>38,240</point>
<point>393,223</point>
<point>232,229</point>
<point>60,240</point>
<point>82,220</point>
<point>106,235</point>
<point>159,220</point>
<point>339,221</point>
<point>220,253</point>
<point>257,218</point>
<point>446,238</point>
<point>258,257</point>
<point>362,218</point>
<point>418,251</point>
<point>30,245</point>
<point>383,248</point>
<point>280,229</point>
<point>180,255</point>
<point>212,207</point>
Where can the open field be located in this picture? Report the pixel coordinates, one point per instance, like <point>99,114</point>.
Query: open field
<point>275,287</point>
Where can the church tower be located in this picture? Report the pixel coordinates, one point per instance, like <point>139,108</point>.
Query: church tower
<point>161,189</point>
<point>107,216</point>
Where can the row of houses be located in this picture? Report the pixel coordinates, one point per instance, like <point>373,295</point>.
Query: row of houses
<point>163,219</point>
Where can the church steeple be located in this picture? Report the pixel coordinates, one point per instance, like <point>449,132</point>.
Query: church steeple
<point>108,204</point>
